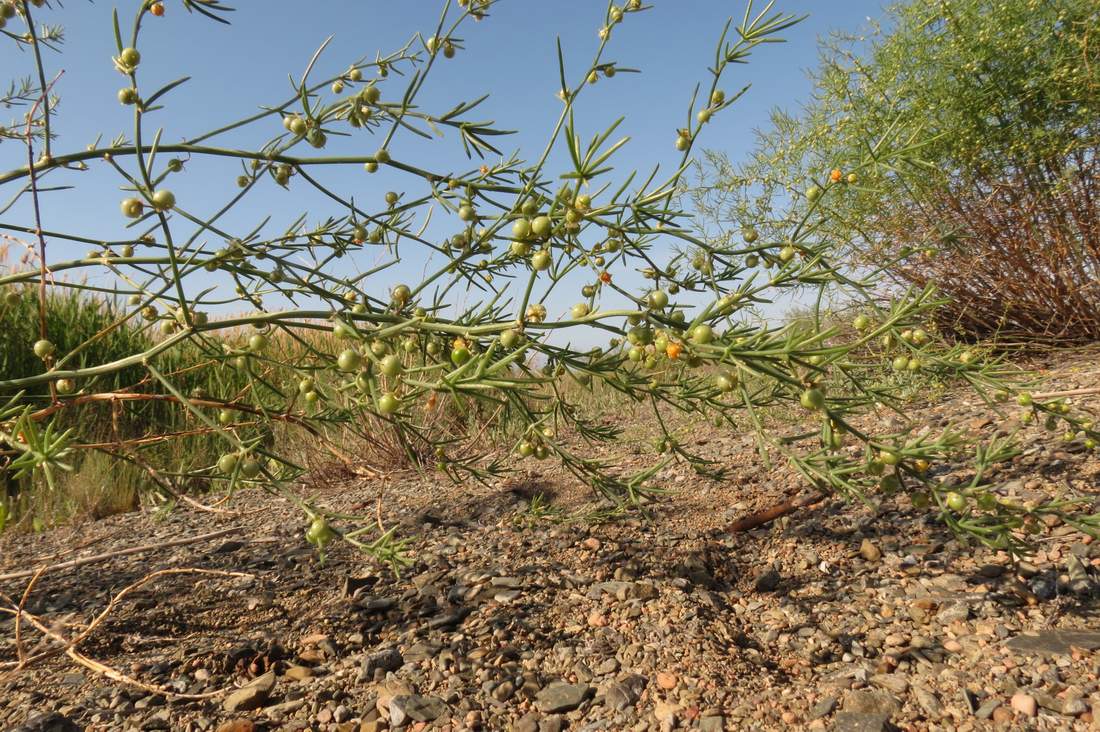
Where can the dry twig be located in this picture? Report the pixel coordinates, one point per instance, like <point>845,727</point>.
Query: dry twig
<point>69,645</point>
<point>121,553</point>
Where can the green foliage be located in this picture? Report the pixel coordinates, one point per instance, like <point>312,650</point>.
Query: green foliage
<point>319,344</point>
<point>997,105</point>
<point>986,88</point>
<point>991,86</point>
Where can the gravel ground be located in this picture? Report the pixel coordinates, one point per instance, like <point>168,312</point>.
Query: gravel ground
<point>838,616</point>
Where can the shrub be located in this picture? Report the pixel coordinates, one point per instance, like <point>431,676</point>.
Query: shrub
<point>317,345</point>
<point>997,101</point>
<point>1018,265</point>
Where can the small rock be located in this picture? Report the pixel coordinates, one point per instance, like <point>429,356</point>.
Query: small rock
<point>237,725</point>
<point>504,691</point>
<point>607,666</point>
<point>767,581</point>
<point>1025,704</point>
<point>871,702</point>
<point>869,551</point>
<point>48,722</point>
<point>953,612</point>
<point>562,697</point>
<point>1074,707</point>
<point>161,720</point>
<point>891,682</point>
<point>387,660</point>
<point>625,693</point>
<point>929,702</point>
<point>417,708</point>
<point>527,723</point>
<point>666,680</point>
<point>666,713</point>
<point>823,708</point>
<point>252,696</point>
<point>298,673</point>
<point>988,707</point>
<point>416,652</point>
<point>553,723</point>
<point>712,724</point>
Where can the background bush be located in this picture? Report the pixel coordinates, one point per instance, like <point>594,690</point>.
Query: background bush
<point>998,204</point>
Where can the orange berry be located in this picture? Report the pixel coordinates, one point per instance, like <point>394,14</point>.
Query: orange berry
<point>605,277</point>
<point>672,350</point>
<point>157,9</point>
<point>835,175</point>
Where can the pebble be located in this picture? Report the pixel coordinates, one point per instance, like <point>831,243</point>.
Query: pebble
<point>298,673</point>
<point>251,696</point>
<point>869,551</point>
<point>1025,704</point>
<point>417,708</point>
<point>562,697</point>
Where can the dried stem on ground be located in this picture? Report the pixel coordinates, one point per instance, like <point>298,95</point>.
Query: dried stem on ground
<point>69,645</point>
<point>120,553</point>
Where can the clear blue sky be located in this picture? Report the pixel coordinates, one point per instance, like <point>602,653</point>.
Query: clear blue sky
<point>236,68</point>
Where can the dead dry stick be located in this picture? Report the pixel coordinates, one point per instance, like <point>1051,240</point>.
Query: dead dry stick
<point>20,653</point>
<point>753,520</point>
<point>1087,391</point>
<point>121,553</point>
<point>103,669</point>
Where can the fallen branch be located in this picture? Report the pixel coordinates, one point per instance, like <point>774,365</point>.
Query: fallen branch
<point>1068,393</point>
<point>69,647</point>
<point>121,553</point>
<point>753,520</point>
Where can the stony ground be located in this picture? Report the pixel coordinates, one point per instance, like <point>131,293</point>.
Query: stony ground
<point>839,616</point>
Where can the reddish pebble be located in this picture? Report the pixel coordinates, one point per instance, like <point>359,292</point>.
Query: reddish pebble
<point>666,680</point>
